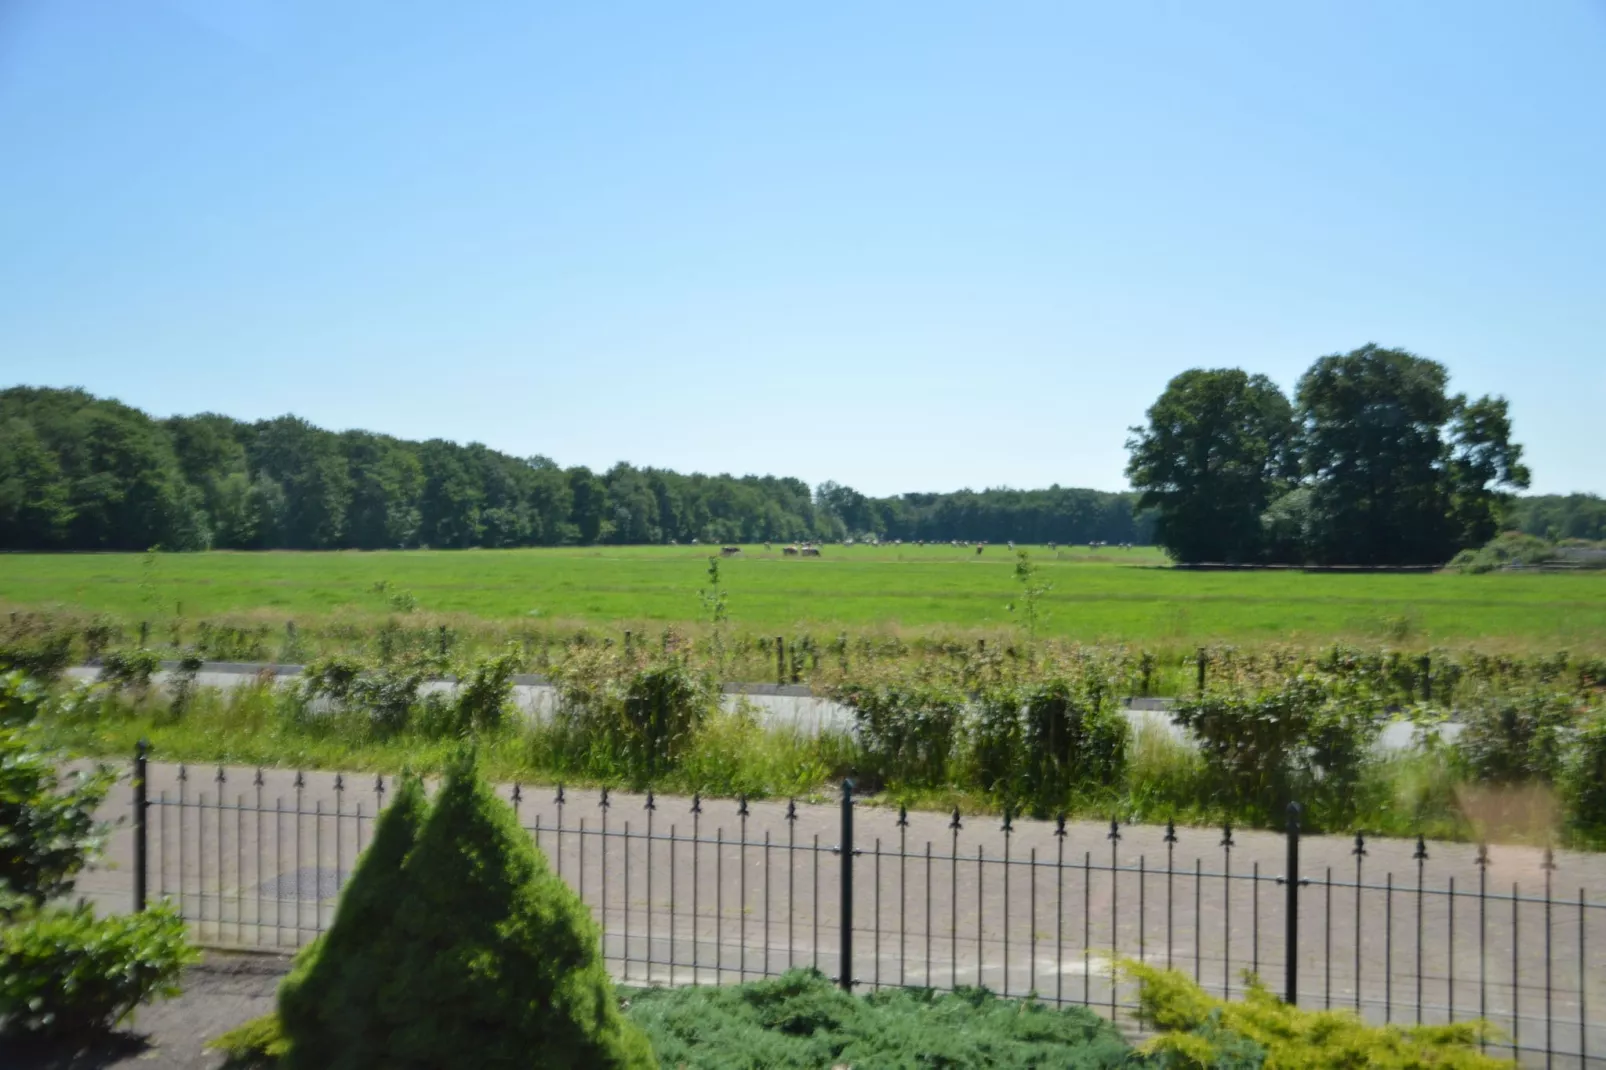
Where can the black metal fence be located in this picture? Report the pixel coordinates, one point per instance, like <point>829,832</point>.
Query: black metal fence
<point>691,891</point>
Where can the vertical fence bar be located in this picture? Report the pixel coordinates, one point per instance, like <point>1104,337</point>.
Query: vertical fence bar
<point>766,902</point>
<point>875,955</point>
<point>1327,953</point>
<point>141,825</point>
<point>928,914</point>
<point>1291,910</point>
<point>626,844</point>
<point>1114,836</point>
<point>845,951</point>
<point>1516,1000</point>
<point>1226,911</point>
<point>791,846</point>
<point>1198,919</point>
<point>650,806</point>
<point>222,839</point>
<point>602,876</point>
<point>1170,851</point>
<point>981,884</point>
<point>1449,971</point>
<point>1388,949</point>
<point>183,780</point>
<point>814,902</point>
<point>1087,927</point>
<point>1583,1008</point>
<point>1008,827</point>
<point>1031,928</point>
<point>239,869</point>
<point>1360,858</point>
<point>696,851</point>
<point>1059,911</point>
<point>672,915</point>
<point>1420,857</point>
<point>1549,866</point>
<point>317,867</point>
<point>1483,946</point>
<point>953,903</point>
<point>300,785</point>
<point>719,903</point>
<point>903,896</point>
<point>741,889</point>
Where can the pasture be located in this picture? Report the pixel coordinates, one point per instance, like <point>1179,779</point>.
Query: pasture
<point>1108,595</point>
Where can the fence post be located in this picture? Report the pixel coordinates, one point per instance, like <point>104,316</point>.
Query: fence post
<point>1203,660</point>
<point>780,661</point>
<point>846,980</point>
<point>140,826</point>
<point>1291,910</point>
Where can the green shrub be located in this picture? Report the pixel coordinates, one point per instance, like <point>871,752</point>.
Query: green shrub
<point>907,731</point>
<point>470,953</point>
<point>1075,739</point>
<point>1200,1031</point>
<point>1296,741</point>
<point>617,717</point>
<point>1510,738</point>
<point>1510,549</point>
<point>129,669</point>
<point>67,973</point>
<point>1584,779</point>
<point>801,1021</point>
<point>48,830</point>
<point>484,693</point>
<point>38,648</point>
<point>331,1004</point>
<point>20,698</point>
<point>259,1043</point>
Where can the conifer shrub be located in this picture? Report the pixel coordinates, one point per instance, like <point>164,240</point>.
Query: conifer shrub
<point>1200,1032</point>
<point>331,1002</point>
<point>463,951</point>
<point>801,1021</point>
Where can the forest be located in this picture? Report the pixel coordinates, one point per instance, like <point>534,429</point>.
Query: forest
<point>78,472</point>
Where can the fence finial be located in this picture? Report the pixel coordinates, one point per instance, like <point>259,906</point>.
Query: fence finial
<point>791,810</point>
<point>697,802</point>
<point>903,816</point>
<point>1059,824</point>
<point>1483,856</point>
<point>340,782</point>
<point>1360,845</point>
<point>955,823</point>
<point>1226,836</point>
<point>603,802</point>
<point>518,794</point>
<point>558,798</point>
<point>1114,835</point>
<point>256,781</point>
<point>183,773</point>
<point>741,806</point>
<point>1170,832</point>
<point>1008,825</point>
<point>301,780</point>
<point>1549,863</point>
<point>1421,852</point>
<point>221,778</point>
<point>651,804</point>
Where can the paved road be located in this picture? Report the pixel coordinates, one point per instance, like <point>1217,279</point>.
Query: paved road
<point>713,898</point>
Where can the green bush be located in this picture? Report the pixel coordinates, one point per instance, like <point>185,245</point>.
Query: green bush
<point>477,955</point>
<point>620,718</point>
<point>67,973</point>
<point>331,1004</point>
<point>907,731</point>
<point>48,830</point>
<point>1511,738</point>
<point>801,1021</point>
<point>484,693</point>
<point>1584,779</point>
<point>1076,740</point>
<point>259,1043</point>
<point>39,648</point>
<point>1510,549</point>
<point>129,669</point>
<point>1202,1032</point>
<point>1299,740</point>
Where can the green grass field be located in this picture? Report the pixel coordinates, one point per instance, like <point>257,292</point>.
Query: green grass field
<point>1111,595</point>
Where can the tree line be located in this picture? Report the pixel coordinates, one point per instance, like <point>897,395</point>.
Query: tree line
<point>79,472</point>
<point>1373,462</point>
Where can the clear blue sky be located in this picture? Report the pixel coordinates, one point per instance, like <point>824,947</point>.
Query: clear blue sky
<point>906,246</point>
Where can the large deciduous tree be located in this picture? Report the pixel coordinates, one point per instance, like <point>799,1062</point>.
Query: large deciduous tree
<point>1401,472</point>
<point>1217,450</point>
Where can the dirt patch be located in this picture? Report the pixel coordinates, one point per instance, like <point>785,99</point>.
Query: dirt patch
<point>223,991</point>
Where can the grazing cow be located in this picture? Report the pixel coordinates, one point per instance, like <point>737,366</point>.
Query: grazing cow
<point>811,551</point>
<point>978,549</point>
<point>789,551</point>
<point>729,551</point>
